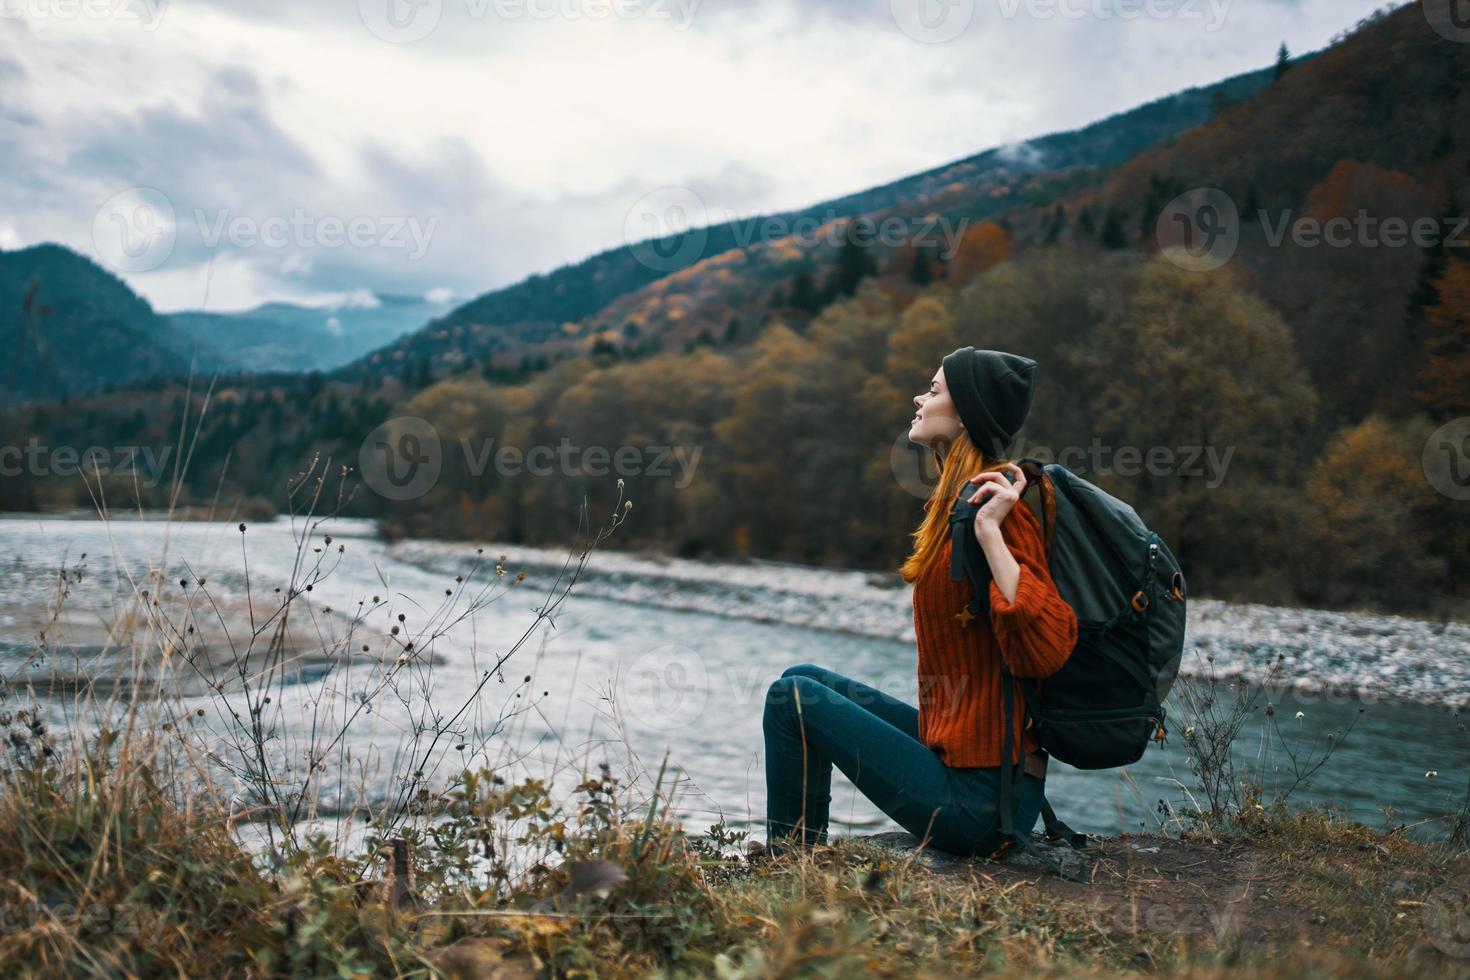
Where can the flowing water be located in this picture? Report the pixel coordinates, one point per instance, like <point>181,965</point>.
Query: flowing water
<point>627,682</point>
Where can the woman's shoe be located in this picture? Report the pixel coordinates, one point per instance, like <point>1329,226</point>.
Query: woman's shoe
<point>761,852</point>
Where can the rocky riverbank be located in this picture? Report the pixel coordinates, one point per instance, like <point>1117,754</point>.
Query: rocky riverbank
<point>1353,655</point>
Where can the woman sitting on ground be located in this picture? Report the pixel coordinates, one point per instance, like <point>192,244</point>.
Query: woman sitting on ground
<point>935,769</point>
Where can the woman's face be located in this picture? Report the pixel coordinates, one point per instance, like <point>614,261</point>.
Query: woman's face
<point>937,423</point>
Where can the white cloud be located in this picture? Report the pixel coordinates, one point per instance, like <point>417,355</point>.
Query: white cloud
<point>520,144</point>
<point>360,299</point>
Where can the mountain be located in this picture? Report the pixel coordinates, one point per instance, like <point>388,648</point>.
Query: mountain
<point>291,337</point>
<point>558,312</point>
<point>702,283</point>
<point>67,326</point>
<point>1318,372</point>
<point>1310,175</point>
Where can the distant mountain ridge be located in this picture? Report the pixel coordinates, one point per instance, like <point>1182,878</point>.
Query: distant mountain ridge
<point>67,325</point>
<point>293,337</point>
<point>112,336</point>
<point>536,309</point>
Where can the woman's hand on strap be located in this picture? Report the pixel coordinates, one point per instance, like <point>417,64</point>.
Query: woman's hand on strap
<point>997,496</point>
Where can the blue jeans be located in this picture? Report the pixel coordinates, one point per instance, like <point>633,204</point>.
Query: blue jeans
<point>815,718</point>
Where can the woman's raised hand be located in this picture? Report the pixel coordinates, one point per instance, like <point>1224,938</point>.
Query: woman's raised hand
<point>998,495</point>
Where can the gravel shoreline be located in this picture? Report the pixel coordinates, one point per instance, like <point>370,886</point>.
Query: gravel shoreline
<point>1359,656</point>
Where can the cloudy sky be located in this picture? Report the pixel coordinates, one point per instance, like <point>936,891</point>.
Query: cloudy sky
<point>220,154</point>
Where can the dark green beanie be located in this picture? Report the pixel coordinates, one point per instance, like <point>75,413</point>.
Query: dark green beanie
<point>992,391</point>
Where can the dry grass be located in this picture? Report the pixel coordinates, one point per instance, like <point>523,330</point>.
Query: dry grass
<point>113,869</point>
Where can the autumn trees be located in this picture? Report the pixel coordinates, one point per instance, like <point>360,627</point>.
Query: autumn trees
<point>1445,379</point>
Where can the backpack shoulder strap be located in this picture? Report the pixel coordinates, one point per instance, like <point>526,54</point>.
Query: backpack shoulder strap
<point>1036,476</point>
<point>965,556</point>
<point>966,560</point>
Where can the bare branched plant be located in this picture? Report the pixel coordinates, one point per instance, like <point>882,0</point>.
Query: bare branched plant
<point>1213,724</point>
<point>1214,719</point>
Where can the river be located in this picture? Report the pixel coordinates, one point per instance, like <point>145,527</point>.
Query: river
<point>649,656</point>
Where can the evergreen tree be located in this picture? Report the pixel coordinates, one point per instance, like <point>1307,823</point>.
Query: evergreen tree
<point>922,270</point>
<point>1056,226</point>
<point>855,261</point>
<point>1283,61</point>
<point>1253,205</point>
<point>804,292</point>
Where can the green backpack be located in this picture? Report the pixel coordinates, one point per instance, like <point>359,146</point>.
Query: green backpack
<point>1105,704</point>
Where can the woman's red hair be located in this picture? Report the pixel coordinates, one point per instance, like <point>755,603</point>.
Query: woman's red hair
<point>963,460</point>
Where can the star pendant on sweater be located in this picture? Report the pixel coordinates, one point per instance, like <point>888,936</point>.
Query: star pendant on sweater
<point>964,616</point>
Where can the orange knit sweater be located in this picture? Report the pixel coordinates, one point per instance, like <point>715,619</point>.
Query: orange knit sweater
<point>961,715</point>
